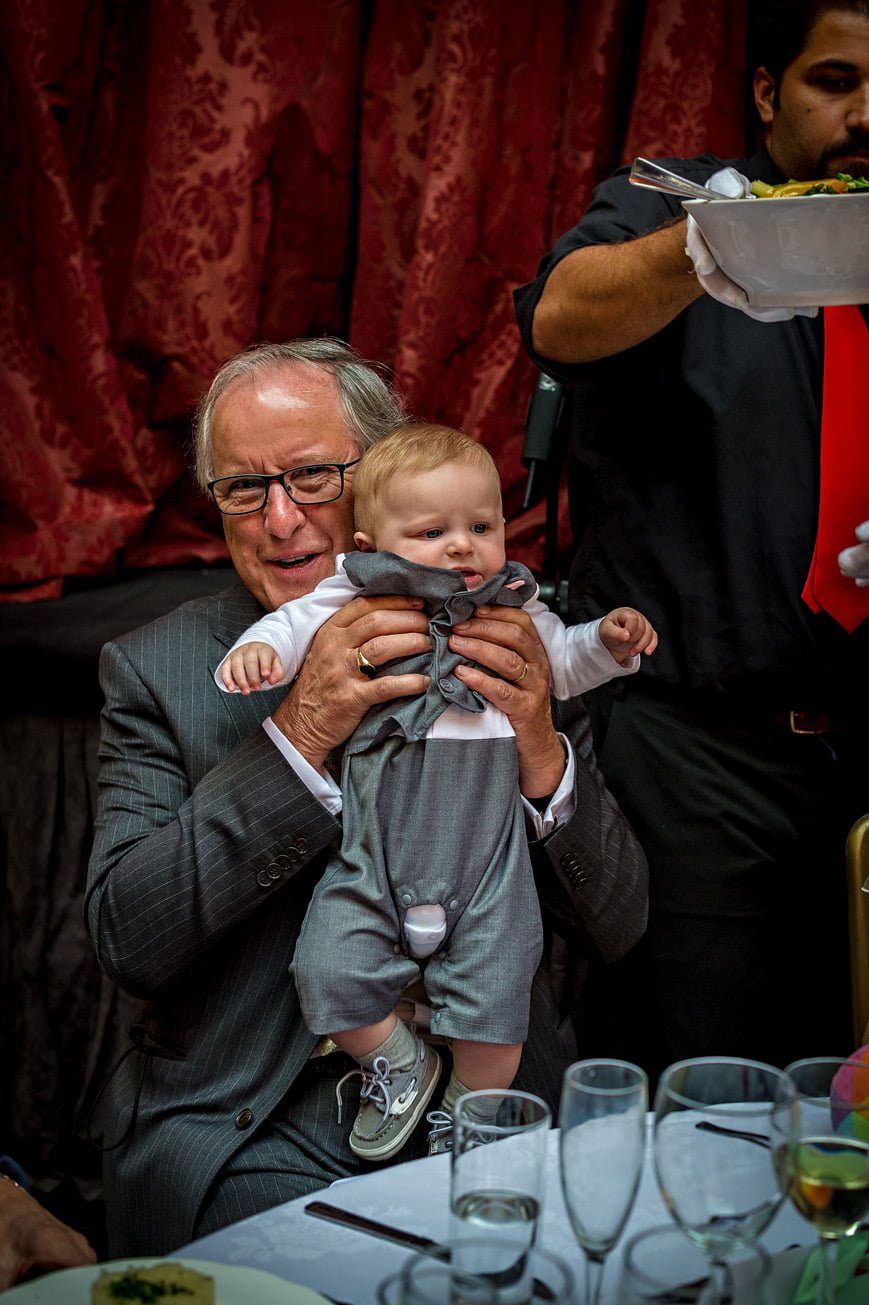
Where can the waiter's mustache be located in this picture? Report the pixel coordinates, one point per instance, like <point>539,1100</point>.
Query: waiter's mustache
<point>857,140</point>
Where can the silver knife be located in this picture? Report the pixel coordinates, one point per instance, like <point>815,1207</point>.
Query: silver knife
<point>359,1222</point>
<point>332,1213</point>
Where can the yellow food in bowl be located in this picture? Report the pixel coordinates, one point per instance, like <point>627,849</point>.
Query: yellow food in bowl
<point>838,185</point>
<point>158,1284</point>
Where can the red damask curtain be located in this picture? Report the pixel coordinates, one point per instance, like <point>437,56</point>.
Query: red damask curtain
<point>184,177</point>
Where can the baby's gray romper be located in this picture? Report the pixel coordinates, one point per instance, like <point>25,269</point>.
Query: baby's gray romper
<point>426,821</point>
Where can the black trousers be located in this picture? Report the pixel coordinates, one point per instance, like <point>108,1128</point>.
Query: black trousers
<point>744,826</point>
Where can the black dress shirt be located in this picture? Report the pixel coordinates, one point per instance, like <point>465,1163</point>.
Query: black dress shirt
<point>694,475</point>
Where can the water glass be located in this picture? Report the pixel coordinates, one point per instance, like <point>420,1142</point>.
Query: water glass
<point>526,1276</point>
<point>662,1264</point>
<point>498,1178</point>
<point>426,1281</point>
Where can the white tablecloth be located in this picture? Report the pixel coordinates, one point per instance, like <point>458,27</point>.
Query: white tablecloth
<point>348,1266</point>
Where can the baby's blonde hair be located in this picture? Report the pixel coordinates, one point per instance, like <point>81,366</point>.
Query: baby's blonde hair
<point>405,451</point>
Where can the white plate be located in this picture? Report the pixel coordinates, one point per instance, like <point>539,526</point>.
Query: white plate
<point>792,253</point>
<point>234,1284</point>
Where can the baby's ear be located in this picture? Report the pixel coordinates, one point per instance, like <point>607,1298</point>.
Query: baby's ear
<point>364,542</point>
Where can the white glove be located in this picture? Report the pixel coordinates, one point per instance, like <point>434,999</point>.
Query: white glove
<point>854,561</point>
<point>717,283</point>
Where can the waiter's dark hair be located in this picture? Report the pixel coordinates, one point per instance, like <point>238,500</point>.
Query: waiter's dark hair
<point>780,30</point>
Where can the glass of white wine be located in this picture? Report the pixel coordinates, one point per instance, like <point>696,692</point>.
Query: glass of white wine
<point>717,1120</point>
<point>823,1154</point>
<point>602,1143</point>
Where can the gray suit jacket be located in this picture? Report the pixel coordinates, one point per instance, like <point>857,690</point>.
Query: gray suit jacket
<point>207,846</point>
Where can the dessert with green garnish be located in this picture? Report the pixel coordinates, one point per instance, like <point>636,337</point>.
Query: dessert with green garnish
<point>157,1284</point>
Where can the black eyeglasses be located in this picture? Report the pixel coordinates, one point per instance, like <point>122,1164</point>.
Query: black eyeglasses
<point>322,482</point>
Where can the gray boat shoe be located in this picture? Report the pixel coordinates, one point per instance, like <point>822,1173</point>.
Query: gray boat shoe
<point>391,1104</point>
<point>440,1134</point>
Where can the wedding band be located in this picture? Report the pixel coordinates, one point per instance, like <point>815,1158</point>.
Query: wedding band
<point>521,677</point>
<point>367,668</point>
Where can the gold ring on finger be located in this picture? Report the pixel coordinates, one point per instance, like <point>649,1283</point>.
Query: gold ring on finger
<point>521,677</point>
<point>366,668</point>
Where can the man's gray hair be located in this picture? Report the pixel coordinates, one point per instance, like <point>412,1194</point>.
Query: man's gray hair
<point>370,407</point>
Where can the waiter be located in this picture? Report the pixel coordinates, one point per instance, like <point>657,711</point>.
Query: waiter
<point>702,427</point>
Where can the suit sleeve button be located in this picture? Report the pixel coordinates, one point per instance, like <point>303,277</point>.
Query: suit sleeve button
<point>264,879</point>
<point>569,862</point>
<point>244,1118</point>
<point>302,846</point>
<point>285,860</point>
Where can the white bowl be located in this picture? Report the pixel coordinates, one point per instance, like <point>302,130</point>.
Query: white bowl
<point>809,249</point>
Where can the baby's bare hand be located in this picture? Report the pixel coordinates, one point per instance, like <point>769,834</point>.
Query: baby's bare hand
<point>626,633</point>
<point>249,667</point>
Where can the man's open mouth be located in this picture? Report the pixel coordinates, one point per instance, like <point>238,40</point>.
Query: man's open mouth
<point>290,563</point>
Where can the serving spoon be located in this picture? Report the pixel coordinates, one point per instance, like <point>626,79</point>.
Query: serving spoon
<point>646,173</point>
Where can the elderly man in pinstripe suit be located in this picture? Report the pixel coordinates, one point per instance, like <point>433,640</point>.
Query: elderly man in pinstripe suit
<point>217,812</point>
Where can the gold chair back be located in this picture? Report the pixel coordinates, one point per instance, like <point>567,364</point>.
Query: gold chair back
<point>857,859</point>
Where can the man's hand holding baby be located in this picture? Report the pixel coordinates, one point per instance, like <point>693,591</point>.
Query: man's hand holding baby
<point>626,633</point>
<point>329,697</point>
<point>516,679</point>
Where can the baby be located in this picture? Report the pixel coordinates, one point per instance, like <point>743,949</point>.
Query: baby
<point>434,861</point>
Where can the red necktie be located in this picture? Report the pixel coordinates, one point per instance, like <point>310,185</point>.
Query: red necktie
<point>844,498</point>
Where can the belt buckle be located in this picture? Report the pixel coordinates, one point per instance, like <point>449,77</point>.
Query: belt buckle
<point>808,722</point>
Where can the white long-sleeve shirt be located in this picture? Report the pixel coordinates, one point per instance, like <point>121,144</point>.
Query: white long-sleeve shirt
<point>578,663</point>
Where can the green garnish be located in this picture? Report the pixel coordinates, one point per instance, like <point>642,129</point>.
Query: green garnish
<point>132,1287</point>
<point>853,183</point>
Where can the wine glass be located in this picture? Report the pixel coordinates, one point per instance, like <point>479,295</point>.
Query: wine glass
<point>603,1138</point>
<point>716,1123</point>
<point>823,1152</point>
<point>661,1264</point>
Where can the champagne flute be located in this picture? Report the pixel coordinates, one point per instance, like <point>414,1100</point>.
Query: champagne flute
<point>823,1153</point>
<point>716,1123</point>
<point>603,1138</point>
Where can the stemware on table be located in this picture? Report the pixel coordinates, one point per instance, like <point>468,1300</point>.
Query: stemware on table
<point>603,1135</point>
<point>661,1264</point>
<point>822,1149</point>
<point>717,1120</point>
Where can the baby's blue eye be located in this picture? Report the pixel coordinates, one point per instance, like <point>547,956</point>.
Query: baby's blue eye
<point>435,533</point>
<point>479,528</point>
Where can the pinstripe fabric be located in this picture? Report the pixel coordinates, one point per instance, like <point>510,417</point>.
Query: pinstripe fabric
<point>196,805</point>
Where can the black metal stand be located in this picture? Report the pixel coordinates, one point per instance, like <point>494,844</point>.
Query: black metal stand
<point>542,454</point>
